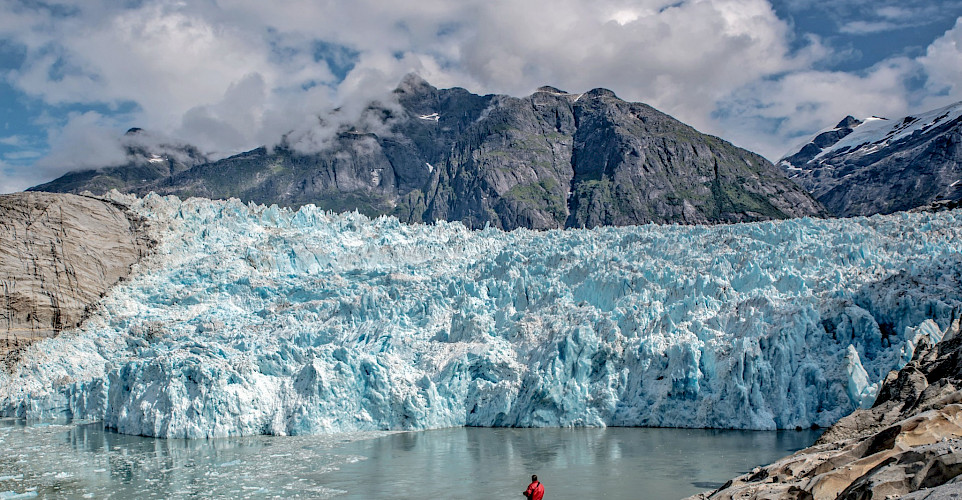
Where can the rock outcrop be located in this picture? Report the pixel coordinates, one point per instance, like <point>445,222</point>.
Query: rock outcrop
<point>549,160</point>
<point>908,445</point>
<point>881,166</point>
<point>60,254</point>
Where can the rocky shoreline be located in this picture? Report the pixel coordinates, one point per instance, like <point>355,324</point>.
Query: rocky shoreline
<point>908,445</point>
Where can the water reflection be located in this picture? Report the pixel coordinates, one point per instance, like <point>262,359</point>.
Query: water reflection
<point>573,463</point>
<point>84,461</point>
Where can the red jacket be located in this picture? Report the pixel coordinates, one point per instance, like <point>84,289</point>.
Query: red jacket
<point>535,491</point>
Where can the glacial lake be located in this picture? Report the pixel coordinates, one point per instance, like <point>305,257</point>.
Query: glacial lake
<point>85,461</point>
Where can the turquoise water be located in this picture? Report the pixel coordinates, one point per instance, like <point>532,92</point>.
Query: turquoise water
<point>85,461</point>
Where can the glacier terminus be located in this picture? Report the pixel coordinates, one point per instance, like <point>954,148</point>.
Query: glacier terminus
<point>251,319</point>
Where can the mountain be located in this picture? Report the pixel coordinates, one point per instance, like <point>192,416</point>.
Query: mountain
<point>883,166</point>
<point>549,160</point>
<point>149,159</point>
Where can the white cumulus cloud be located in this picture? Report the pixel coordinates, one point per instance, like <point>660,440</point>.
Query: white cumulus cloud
<point>942,63</point>
<point>231,76</point>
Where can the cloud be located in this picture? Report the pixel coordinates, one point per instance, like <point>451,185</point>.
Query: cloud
<point>232,76</point>
<point>776,114</point>
<point>231,123</point>
<point>942,63</point>
<point>886,15</point>
<point>14,141</point>
<point>771,115</point>
<point>861,17</point>
<point>678,56</point>
<point>86,140</point>
<point>22,155</point>
<point>228,78</point>
<point>172,61</point>
<point>12,179</point>
<point>866,27</point>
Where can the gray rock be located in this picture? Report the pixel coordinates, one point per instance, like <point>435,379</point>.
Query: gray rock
<point>60,254</point>
<point>949,491</point>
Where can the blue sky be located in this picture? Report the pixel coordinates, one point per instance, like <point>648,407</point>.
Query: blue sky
<point>230,76</point>
<point>865,33</point>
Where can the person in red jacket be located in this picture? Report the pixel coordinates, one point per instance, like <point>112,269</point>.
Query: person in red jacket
<point>535,490</point>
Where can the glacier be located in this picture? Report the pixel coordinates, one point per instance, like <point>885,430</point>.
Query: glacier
<point>250,319</point>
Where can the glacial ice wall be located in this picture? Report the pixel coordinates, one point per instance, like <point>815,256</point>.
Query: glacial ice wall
<point>251,319</point>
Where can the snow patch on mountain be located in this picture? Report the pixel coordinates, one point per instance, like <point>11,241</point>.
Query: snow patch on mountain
<point>875,133</point>
<point>881,166</point>
<point>250,319</point>
<point>797,148</point>
<point>879,132</point>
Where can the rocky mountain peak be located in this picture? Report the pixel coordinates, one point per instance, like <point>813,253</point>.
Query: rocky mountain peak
<point>848,122</point>
<point>551,90</point>
<point>600,93</point>
<point>413,83</point>
<point>883,166</point>
<point>822,141</point>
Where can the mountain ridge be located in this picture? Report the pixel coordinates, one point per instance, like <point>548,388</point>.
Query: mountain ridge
<point>549,160</point>
<point>877,165</point>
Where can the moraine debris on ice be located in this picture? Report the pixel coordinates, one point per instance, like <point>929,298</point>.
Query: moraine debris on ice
<point>249,319</point>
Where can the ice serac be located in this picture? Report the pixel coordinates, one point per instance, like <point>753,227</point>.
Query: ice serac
<point>548,160</point>
<point>907,445</point>
<point>252,319</point>
<point>883,166</point>
<point>60,253</point>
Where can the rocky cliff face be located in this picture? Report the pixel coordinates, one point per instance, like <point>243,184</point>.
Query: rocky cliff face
<point>883,166</point>
<point>908,445</point>
<point>60,254</point>
<point>549,160</point>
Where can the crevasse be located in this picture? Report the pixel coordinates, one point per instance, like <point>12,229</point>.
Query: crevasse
<point>250,319</point>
